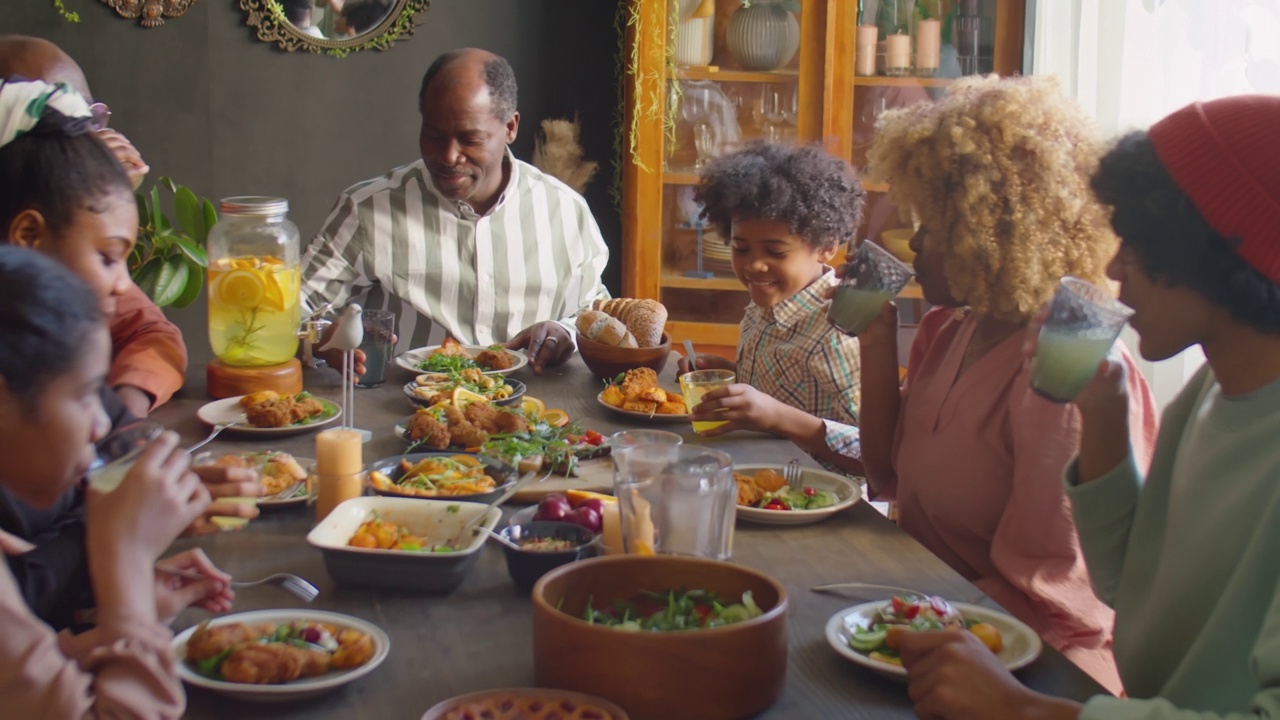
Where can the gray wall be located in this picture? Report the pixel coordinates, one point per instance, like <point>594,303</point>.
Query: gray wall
<point>226,114</point>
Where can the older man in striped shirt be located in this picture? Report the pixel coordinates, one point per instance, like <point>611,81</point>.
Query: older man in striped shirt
<point>486,248</point>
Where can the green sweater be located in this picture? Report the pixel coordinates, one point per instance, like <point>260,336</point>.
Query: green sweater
<point>1190,560</point>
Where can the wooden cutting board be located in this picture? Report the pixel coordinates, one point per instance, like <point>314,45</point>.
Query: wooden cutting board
<point>595,475</point>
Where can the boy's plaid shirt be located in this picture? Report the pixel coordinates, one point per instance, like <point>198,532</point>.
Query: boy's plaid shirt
<point>792,353</point>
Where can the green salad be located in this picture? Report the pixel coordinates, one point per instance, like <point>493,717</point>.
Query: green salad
<point>673,610</point>
<point>808,498</point>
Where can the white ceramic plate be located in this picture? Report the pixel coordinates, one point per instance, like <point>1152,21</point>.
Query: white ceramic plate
<point>639,416</point>
<point>846,490</point>
<point>271,502</point>
<point>1021,644</point>
<point>298,689</point>
<point>229,411</point>
<point>409,359</point>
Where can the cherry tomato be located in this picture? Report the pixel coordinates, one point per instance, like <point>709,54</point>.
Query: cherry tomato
<point>594,438</point>
<point>898,605</point>
<point>912,611</point>
<point>776,505</point>
<point>810,492</point>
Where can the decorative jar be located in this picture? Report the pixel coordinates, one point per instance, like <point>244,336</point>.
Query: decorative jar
<point>763,35</point>
<point>254,283</point>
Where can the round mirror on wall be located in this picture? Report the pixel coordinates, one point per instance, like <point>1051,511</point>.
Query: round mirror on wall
<point>336,27</point>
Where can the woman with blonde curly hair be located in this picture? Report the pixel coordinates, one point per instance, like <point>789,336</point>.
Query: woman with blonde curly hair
<point>997,172</point>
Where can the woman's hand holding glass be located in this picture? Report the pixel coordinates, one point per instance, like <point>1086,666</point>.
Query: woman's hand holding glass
<point>158,498</point>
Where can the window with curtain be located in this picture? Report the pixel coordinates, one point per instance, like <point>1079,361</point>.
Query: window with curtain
<point>1131,62</point>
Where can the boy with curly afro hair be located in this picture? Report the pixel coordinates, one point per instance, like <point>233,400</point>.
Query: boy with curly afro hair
<point>784,212</point>
<point>1187,552</point>
<point>998,173</point>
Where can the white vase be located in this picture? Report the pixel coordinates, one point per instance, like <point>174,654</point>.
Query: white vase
<point>763,36</point>
<point>695,40</point>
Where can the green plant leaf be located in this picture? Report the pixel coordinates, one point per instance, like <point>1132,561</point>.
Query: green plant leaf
<point>195,281</point>
<point>171,280</point>
<point>156,217</point>
<point>194,253</point>
<point>210,219</point>
<point>163,241</point>
<point>146,276</point>
<point>144,213</point>
<point>186,211</point>
<point>168,182</point>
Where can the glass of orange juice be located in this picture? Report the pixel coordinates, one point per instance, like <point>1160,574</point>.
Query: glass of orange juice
<point>698,383</point>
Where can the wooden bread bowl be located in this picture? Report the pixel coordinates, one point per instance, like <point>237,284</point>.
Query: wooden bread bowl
<point>608,361</point>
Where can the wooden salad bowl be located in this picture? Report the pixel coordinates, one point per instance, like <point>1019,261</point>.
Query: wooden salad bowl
<point>734,671</point>
<point>608,361</point>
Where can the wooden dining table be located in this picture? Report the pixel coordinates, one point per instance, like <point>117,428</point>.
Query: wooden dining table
<point>480,636</point>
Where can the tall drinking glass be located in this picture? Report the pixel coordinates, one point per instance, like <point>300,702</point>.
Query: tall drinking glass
<point>678,499</point>
<point>873,278</point>
<point>118,451</point>
<point>1083,323</point>
<point>379,327</point>
<point>693,385</point>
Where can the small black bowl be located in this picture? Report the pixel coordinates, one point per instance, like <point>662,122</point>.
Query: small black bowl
<point>526,566</point>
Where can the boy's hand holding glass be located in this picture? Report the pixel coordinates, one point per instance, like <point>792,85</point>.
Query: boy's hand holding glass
<point>740,407</point>
<point>224,484</point>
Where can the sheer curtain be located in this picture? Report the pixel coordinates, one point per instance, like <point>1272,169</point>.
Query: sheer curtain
<point>1131,62</point>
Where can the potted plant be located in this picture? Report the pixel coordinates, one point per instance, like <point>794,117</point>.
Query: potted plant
<point>169,261</point>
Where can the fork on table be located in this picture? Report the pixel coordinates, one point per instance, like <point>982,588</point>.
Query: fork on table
<point>285,581</point>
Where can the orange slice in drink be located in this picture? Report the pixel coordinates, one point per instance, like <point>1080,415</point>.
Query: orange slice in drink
<point>240,289</point>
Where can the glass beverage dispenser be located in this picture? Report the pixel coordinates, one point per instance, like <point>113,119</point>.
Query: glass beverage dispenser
<point>254,296</point>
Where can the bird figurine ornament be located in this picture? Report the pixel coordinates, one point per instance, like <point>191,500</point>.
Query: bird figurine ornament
<point>348,333</point>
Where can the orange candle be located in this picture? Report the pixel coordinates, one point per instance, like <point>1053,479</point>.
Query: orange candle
<point>332,490</point>
<point>865,62</point>
<point>928,46</point>
<point>339,452</point>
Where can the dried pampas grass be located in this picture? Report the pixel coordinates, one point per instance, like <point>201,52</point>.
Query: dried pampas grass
<point>558,153</point>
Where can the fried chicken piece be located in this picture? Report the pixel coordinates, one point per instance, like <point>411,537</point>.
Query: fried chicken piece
<point>354,649</point>
<point>451,347</point>
<point>209,640</point>
<point>306,408</point>
<point>512,422</point>
<point>234,461</point>
<point>494,359</point>
<point>748,492</point>
<point>271,413</point>
<point>424,426</point>
<point>462,433</point>
<point>483,415</point>
<point>258,398</point>
<point>637,380</point>
<point>272,664</point>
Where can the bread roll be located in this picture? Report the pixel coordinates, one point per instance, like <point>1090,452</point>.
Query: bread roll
<point>644,318</point>
<point>605,329</point>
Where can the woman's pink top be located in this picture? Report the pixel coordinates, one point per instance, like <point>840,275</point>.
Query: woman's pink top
<point>42,675</point>
<point>978,460</point>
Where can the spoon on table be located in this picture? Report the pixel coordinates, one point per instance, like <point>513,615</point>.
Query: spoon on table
<point>689,353</point>
<point>498,536</point>
<point>473,524</point>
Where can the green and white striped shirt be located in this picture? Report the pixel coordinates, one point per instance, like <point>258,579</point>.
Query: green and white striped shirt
<point>536,255</point>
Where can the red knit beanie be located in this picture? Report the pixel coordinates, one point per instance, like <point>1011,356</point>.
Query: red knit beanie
<point>1225,155</point>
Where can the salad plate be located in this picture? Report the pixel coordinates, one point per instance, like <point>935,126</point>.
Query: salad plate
<point>846,492</point>
<point>296,689</point>
<point>517,392</point>
<point>229,412</point>
<point>1021,644</point>
<point>411,359</point>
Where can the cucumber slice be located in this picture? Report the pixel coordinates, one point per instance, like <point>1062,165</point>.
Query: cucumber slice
<point>866,641</point>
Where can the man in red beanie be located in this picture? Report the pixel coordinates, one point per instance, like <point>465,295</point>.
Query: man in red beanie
<point>1189,555</point>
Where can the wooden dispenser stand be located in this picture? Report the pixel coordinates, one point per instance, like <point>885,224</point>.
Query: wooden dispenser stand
<point>226,381</point>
